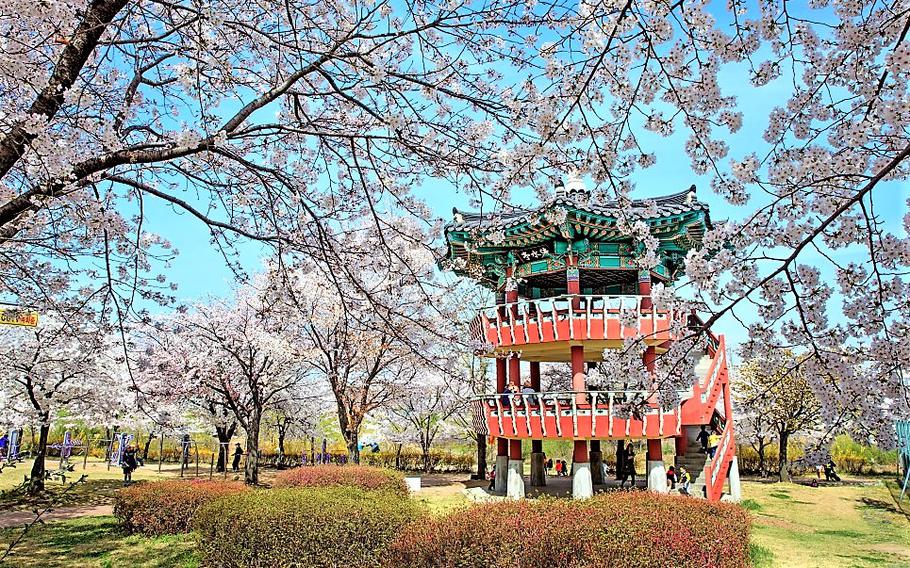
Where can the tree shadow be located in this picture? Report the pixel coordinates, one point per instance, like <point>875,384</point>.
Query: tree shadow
<point>879,505</point>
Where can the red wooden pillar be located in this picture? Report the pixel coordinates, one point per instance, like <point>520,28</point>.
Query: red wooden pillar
<point>502,445</point>
<point>515,379</point>
<point>655,450</point>
<point>580,452</point>
<point>534,376</point>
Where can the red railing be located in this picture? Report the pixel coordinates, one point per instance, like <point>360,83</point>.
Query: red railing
<point>555,319</point>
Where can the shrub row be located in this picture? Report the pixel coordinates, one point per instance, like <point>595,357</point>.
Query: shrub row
<point>321,519</point>
<point>167,507</point>
<point>619,529</point>
<point>364,477</point>
<point>315,526</point>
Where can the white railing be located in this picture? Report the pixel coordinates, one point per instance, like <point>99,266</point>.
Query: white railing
<point>516,317</point>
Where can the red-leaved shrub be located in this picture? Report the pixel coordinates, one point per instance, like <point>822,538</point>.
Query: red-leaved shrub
<point>364,477</point>
<point>167,507</point>
<point>616,529</point>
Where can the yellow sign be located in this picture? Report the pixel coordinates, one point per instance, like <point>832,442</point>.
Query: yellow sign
<point>12,316</point>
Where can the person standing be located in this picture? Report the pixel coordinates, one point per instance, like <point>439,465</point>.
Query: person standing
<point>558,468</point>
<point>4,444</point>
<point>492,477</point>
<point>549,465</point>
<point>671,478</point>
<point>238,453</point>
<point>565,469</point>
<point>629,461</point>
<point>129,464</point>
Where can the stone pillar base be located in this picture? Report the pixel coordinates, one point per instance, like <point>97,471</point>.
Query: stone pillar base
<point>582,488</point>
<point>516,483</point>
<point>597,469</point>
<point>657,476</point>
<point>502,474</point>
<point>538,470</point>
<point>736,492</point>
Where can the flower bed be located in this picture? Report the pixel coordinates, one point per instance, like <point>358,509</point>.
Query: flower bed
<point>315,526</point>
<point>364,477</point>
<point>619,529</point>
<point>167,507</point>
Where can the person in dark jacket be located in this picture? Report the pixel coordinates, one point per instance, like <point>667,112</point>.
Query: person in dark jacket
<point>129,464</point>
<point>238,453</point>
<point>703,439</point>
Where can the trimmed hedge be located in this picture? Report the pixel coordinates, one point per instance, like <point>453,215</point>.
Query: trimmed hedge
<point>334,526</point>
<point>619,529</point>
<point>364,477</point>
<point>167,507</point>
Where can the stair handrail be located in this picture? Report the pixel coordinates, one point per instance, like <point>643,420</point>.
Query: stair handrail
<point>716,470</point>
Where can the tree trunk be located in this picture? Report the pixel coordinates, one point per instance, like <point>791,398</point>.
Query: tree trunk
<point>224,435</point>
<point>145,450</point>
<point>36,480</point>
<point>280,445</point>
<point>481,456</point>
<point>761,459</point>
<point>107,450</point>
<point>783,463</point>
<point>425,450</point>
<point>352,437</point>
<point>251,471</point>
<point>398,456</point>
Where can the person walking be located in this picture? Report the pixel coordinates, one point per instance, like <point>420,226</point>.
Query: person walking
<point>4,444</point>
<point>685,480</point>
<point>238,453</point>
<point>713,440</point>
<point>492,477</point>
<point>549,465</point>
<point>558,468</point>
<point>565,469</point>
<point>703,439</point>
<point>129,464</point>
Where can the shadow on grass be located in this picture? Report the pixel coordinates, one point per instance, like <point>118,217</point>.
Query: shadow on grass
<point>89,492</point>
<point>96,541</point>
<point>879,505</point>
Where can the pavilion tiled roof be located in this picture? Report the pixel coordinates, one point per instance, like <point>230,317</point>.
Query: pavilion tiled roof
<point>666,206</point>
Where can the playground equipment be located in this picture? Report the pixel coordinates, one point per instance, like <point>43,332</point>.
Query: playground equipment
<point>14,445</point>
<point>119,443</point>
<point>568,287</point>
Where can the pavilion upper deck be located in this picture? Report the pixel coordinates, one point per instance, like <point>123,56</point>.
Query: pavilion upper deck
<point>544,329</point>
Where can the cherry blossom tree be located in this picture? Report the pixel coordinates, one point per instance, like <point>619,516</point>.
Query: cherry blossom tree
<point>230,359</point>
<point>369,317</point>
<point>64,365</point>
<point>779,391</point>
<point>426,410</point>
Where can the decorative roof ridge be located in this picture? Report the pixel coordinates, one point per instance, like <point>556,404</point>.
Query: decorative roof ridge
<point>674,203</point>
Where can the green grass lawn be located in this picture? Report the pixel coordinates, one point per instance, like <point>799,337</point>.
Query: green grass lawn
<point>794,525</point>
<point>96,541</point>
<point>855,526</point>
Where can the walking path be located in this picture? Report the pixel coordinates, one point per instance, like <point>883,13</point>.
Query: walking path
<point>19,518</point>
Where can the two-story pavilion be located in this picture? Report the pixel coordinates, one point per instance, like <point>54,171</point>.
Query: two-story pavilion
<point>566,278</point>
